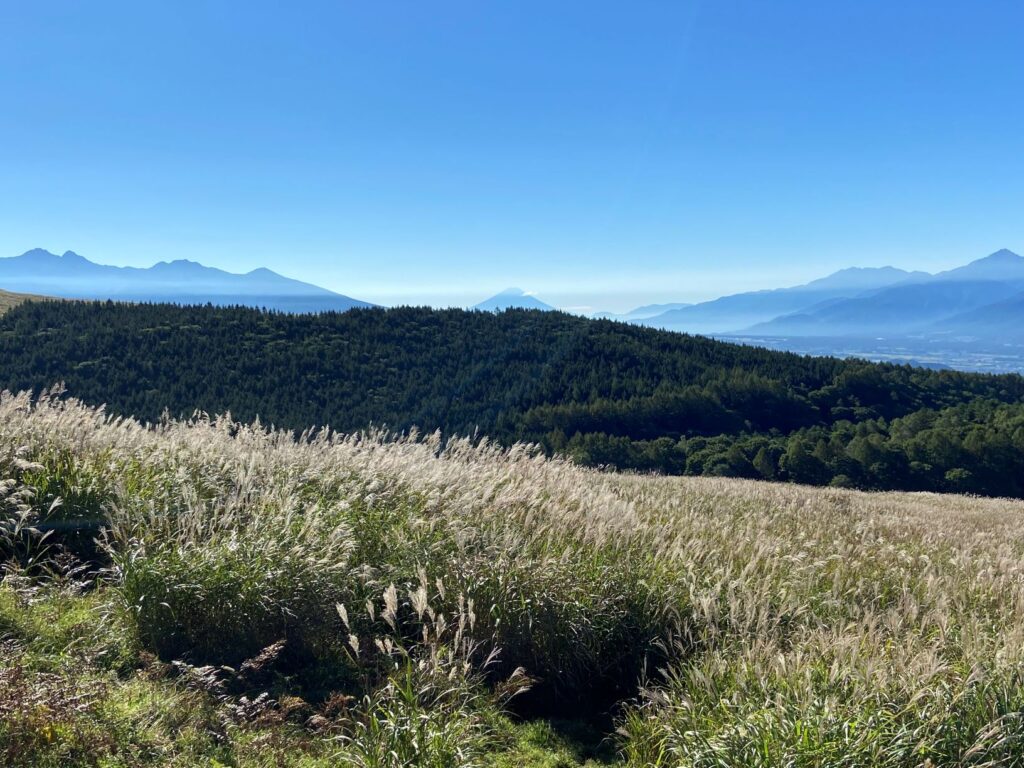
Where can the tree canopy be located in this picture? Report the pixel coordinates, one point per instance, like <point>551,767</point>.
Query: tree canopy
<point>602,392</point>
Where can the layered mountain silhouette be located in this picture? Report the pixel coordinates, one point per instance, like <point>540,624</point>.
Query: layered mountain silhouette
<point>642,313</point>
<point>742,310</point>
<point>983,298</point>
<point>511,298</point>
<point>1003,321</point>
<point>181,282</point>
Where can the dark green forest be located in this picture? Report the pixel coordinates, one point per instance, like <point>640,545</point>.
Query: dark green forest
<point>605,393</point>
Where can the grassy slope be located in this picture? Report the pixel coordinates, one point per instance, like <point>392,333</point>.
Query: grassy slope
<point>8,300</point>
<point>779,625</point>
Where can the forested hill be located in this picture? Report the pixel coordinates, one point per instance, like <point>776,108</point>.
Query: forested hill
<point>604,392</point>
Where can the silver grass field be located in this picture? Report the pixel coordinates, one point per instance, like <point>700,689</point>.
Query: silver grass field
<point>210,593</point>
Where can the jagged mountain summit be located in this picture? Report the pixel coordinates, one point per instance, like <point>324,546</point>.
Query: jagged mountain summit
<point>512,298</point>
<point>181,282</point>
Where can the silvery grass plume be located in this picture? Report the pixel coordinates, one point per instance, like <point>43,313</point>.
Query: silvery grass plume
<point>722,622</point>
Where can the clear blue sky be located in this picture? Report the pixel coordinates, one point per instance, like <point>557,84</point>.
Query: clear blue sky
<point>599,154</point>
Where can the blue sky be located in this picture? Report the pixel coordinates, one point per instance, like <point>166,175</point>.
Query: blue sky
<point>600,154</point>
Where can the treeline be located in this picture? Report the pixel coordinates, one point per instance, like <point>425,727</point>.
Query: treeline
<point>974,448</point>
<point>603,392</point>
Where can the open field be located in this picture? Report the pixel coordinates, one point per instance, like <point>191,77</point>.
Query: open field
<point>368,601</point>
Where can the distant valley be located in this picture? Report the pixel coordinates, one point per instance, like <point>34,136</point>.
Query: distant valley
<point>968,318</point>
<point>979,299</point>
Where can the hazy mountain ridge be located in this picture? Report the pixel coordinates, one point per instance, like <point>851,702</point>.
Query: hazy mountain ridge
<point>743,310</point>
<point>181,281</point>
<point>642,313</point>
<point>1003,319</point>
<point>866,278</point>
<point>980,299</point>
<point>855,301</point>
<point>975,298</point>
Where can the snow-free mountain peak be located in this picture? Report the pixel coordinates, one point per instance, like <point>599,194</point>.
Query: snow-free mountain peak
<point>863,278</point>
<point>512,298</point>
<point>1003,254</point>
<point>183,266</point>
<point>37,254</point>
<point>1002,265</point>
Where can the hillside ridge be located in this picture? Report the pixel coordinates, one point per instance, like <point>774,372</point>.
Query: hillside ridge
<point>602,392</point>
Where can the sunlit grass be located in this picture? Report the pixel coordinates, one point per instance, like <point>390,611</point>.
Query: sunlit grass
<point>679,621</point>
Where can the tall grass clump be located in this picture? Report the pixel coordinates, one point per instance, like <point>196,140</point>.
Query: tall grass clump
<point>216,580</point>
<point>830,703</point>
<point>427,704</point>
<point>224,538</point>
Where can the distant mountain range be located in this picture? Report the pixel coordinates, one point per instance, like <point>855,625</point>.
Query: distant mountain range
<point>641,313</point>
<point>180,282</point>
<point>742,310</point>
<point>984,299</point>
